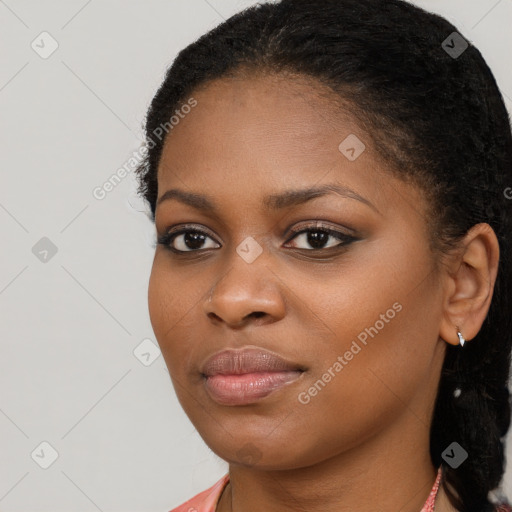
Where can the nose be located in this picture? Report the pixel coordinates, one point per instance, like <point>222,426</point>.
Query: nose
<point>246,292</point>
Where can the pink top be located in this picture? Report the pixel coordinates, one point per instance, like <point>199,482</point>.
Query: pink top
<point>207,500</point>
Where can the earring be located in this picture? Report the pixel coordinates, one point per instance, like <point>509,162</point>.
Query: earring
<point>461,338</point>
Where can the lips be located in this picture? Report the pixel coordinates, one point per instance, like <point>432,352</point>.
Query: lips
<point>244,376</point>
<point>248,360</point>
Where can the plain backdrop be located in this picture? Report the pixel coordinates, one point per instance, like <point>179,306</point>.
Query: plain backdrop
<point>83,390</point>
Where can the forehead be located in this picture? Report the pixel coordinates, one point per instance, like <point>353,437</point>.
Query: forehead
<point>264,124</point>
<point>252,136</point>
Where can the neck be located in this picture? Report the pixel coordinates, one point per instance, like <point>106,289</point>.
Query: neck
<point>388,472</point>
<point>443,503</point>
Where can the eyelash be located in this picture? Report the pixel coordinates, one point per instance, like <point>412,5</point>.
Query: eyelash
<point>168,238</point>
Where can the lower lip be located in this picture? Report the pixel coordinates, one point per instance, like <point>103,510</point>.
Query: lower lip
<point>247,388</point>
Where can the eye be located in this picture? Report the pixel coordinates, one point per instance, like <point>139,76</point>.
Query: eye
<point>317,235</point>
<point>187,239</point>
<point>191,239</point>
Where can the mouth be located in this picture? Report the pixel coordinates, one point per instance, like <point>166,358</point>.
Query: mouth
<point>244,376</point>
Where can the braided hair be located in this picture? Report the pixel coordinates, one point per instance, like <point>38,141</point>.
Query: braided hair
<point>438,117</point>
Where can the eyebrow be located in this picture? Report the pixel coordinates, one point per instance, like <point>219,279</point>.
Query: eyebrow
<point>274,202</point>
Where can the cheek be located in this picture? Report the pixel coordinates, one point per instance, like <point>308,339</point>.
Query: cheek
<point>171,305</point>
<point>377,381</point>
<point>161,301</point>
<point>381,318</point>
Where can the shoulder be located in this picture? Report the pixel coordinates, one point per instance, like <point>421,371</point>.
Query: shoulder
<point>207,500</point>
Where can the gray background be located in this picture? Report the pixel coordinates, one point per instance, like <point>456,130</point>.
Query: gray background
<point>70,323</point>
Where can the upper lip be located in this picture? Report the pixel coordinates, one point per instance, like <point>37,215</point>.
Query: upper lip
<point>246,360</point>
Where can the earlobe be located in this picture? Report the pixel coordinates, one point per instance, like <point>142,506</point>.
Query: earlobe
<point>469,285</point>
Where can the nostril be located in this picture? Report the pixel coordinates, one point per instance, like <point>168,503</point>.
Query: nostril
<point>214,316</point>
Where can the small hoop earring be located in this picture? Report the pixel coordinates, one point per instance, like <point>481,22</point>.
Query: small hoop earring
<point>461,338</point>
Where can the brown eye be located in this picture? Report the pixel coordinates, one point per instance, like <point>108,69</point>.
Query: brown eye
<point>318,236</point>
<point>185,240</point>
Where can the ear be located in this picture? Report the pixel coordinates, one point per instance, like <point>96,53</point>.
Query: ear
<point>469,284</point>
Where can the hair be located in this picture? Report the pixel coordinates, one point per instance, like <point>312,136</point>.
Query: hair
<point>440,121</point>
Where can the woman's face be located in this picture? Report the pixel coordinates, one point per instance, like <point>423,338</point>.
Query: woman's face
<point>357,318</point>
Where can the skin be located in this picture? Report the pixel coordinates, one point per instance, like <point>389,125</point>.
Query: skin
<point>363,439</point>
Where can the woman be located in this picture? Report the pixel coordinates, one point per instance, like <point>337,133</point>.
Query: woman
<point>330,185</point>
